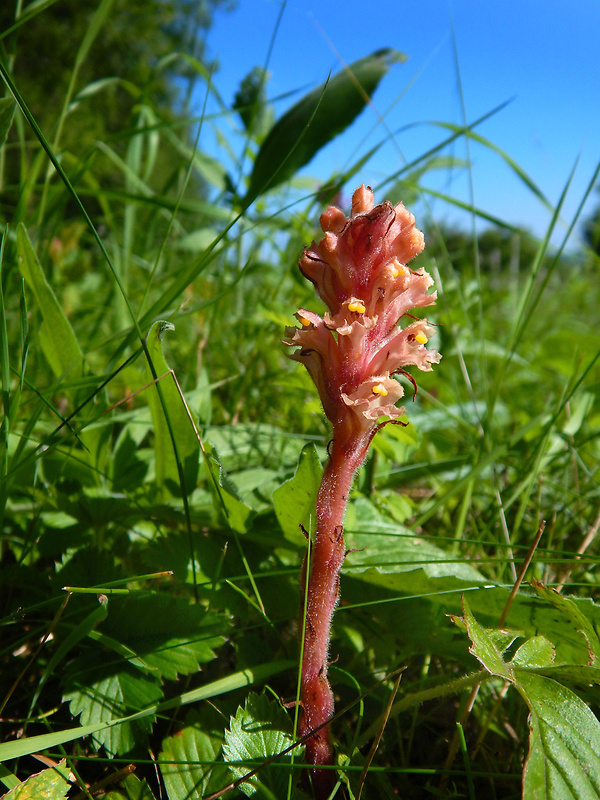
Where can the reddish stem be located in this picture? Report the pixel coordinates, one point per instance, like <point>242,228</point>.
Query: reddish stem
<point>322,589</point>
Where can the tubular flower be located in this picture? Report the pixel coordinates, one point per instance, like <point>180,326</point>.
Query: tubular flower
<point>351,353</point>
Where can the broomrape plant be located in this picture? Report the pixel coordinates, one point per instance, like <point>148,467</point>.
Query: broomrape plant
<point>352,353</point>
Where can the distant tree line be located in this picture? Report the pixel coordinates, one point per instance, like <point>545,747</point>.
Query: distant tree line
<point>137,35</point>
<point>143,54</point>
<point>498,249</point>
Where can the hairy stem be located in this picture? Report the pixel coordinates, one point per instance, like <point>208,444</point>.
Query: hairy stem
<point>322,591</point>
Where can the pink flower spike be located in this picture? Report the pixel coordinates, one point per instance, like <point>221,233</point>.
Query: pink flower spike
<point>359,269</point>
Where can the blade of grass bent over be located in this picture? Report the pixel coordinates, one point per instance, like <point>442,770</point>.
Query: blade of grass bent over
<point>238,680</point>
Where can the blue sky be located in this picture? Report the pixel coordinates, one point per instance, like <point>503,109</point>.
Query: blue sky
<point>542,56</point>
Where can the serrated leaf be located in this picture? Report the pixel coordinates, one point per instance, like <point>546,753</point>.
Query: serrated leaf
<point>164,399</point>
<point>188,760</point>
<point>316,119</point>
<point>564,742</point>
<point>483,646</point>
<point>259,731</point>
<point>100,692</point>
<point>167,633</point>
<point>228,504</point>
<point>57,338</point>
<point>574,614</point>
<point>294,501</point>
<point>237,680</point>
<point>49,784</point>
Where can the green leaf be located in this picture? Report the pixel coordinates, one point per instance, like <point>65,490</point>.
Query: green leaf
<point>100,692</point>
<point>237,680</point>
<point>429,592</point>
<point>9,780</point>
<point>259,731</point>
<point>519,172</point>
<point>57,339</point>
<point>573,673</point>
<point>255,483</point>
<point>316,119</point>
<point>188,759</point>
<point>229,506</point>
<point>133,789</point>
<point>391,547</point>
<point>580,411</point>
<point>564,742</point>
<point>573,614</point>
<point>128,468</point>
<point>197,241</point>
<point>250,102</point>
<point>165,400</point>
<point>535,652</point>
<point>483,646</point>
<point>49,784</point>
<point>294,501</point>
<point>79,632</point>
<point>167,633</point>
<point>396,443</point>
<point>7,112</point>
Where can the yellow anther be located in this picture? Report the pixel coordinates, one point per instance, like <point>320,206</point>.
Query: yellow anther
<point>421,338</point>
<point>394,269</point>
<point>379,388</point>
<point>303,321</point>
<point>357,306</point>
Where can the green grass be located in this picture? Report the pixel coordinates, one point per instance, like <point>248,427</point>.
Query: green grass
<point>187,642</point>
